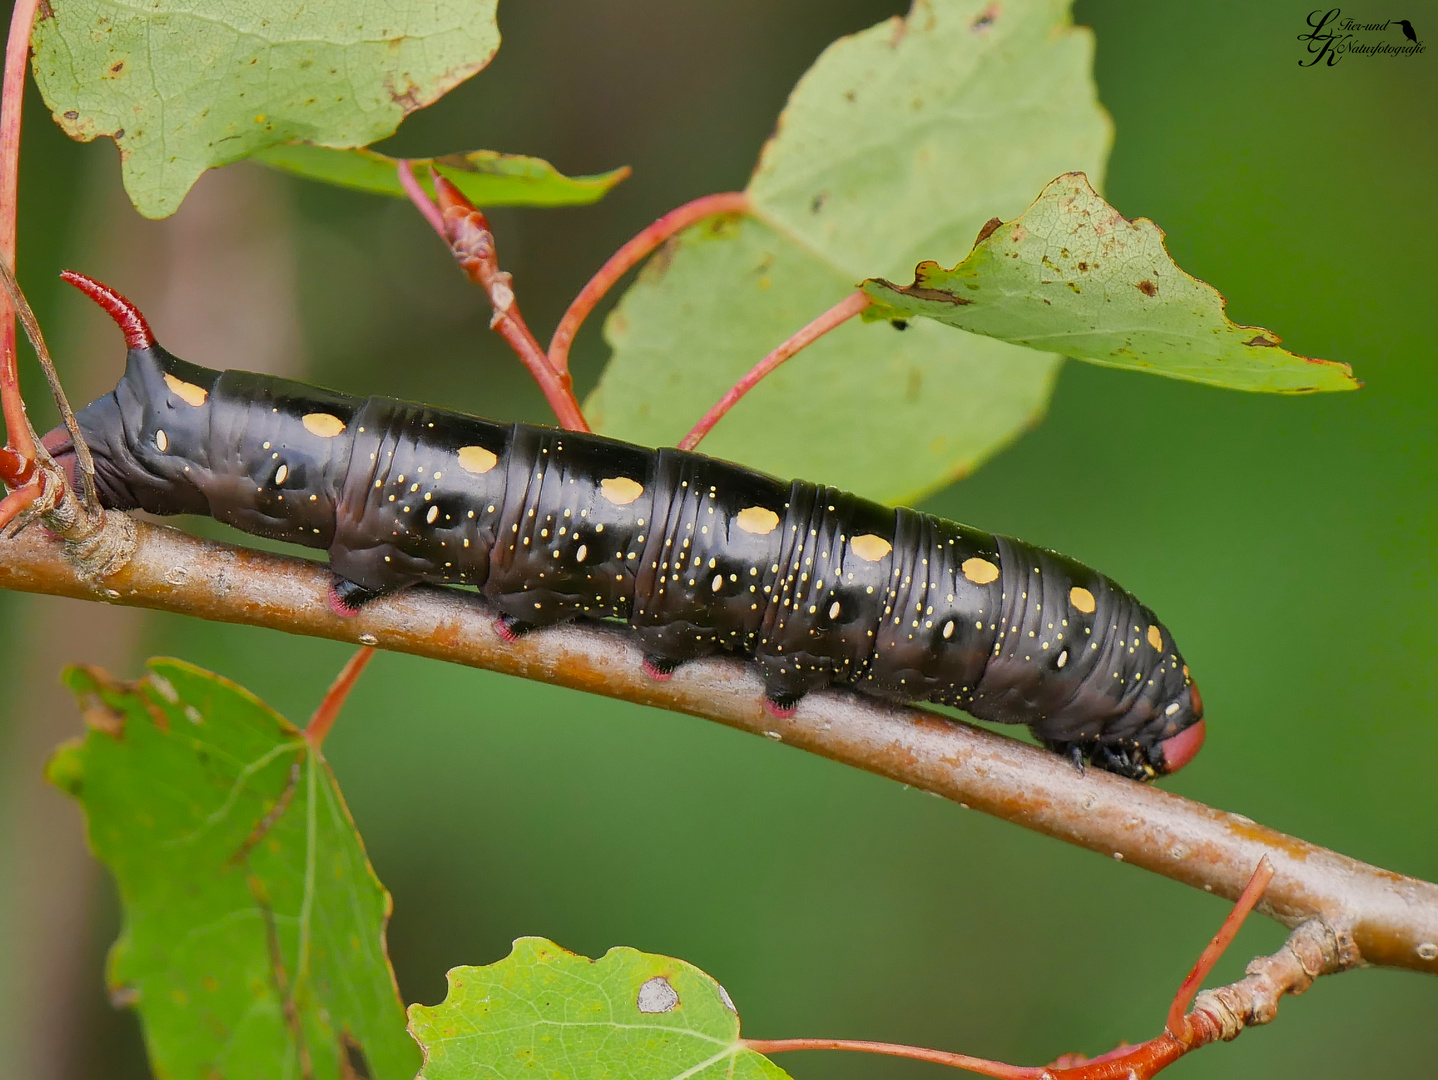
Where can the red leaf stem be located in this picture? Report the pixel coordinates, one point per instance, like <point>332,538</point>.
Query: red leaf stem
<point>628,257</point>
<point>844,310</point>
<point>982,1066</point>
<point>334,699</point>
<point>1246,902</point>
<point>420,197</point>
<point>17,52</point>
<point>1181,1034</point>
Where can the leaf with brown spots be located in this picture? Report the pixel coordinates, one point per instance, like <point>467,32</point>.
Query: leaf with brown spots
<point>884,153</point>
<point>485,177</point>
<point>182,88</point>
<point>544,1011</point>
<point>253,941</point>
<point>1073,275</point>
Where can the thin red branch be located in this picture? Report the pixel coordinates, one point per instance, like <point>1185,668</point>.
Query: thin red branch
<point>1181,1035</point>
<point>1247,901</point>
<point>982,1066</point>
<point>14,504</point>
<point>628,257</point>
<point>334,699</point>
<point>840,313</point>
<point>17,52</point>
<point>467,233</point>
<point>417,195</point>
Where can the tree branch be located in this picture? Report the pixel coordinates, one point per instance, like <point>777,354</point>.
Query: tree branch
<point>1378,917</point>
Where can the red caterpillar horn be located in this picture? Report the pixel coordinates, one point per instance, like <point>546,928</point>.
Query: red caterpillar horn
<point>126,315</point>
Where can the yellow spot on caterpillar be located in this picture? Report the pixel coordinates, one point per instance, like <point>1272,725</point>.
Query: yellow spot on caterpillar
<point>948,629</point>
<point>718,583</point>
<point>834,610</point>
<point>325,425</point>
<point>1082,599</point>
<point>280,474</point>
<point>757,520</point>
<point>432,516</point>
<point>869,547</point>
<point>187,392</point>
<point>980,571</point>
<point>476,459</point>
<point>620,490</point>
<point>162,441</point>
<point>583,551</point>
<point>1155,638</point>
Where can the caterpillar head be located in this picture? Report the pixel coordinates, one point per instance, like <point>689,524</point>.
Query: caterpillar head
<point>1160,747</point>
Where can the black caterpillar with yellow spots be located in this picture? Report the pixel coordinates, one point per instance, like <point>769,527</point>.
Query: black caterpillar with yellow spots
<point>817,586</point>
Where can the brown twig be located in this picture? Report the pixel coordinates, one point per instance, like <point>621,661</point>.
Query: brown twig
<point>334,700</point>
<point>17,52</point>
<point>840,313</point>
<point>1379,917</point>
<point>628,257</point>
<point>467,233</point>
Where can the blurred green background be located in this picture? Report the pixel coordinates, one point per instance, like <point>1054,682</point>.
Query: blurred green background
<point>1289,542</point>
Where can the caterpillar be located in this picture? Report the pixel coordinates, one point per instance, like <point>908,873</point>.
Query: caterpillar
<point>816,586</point>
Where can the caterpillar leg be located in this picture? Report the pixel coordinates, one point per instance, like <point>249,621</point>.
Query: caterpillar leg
<point>347,597</point>
<point>511,629</point>
<point>781,706</point>
<point>660,668</point>
<point>1125,759</point>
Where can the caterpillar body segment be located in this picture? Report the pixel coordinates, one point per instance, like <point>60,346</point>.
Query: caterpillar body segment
<point>819,587</point>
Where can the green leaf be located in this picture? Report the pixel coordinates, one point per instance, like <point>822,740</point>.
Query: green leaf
<point>899,141</point>
<point>183,87</point>
<point>1073,274</point>
<point>253,940</point>
<point>547,1012</point>
<point>487,178</point>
